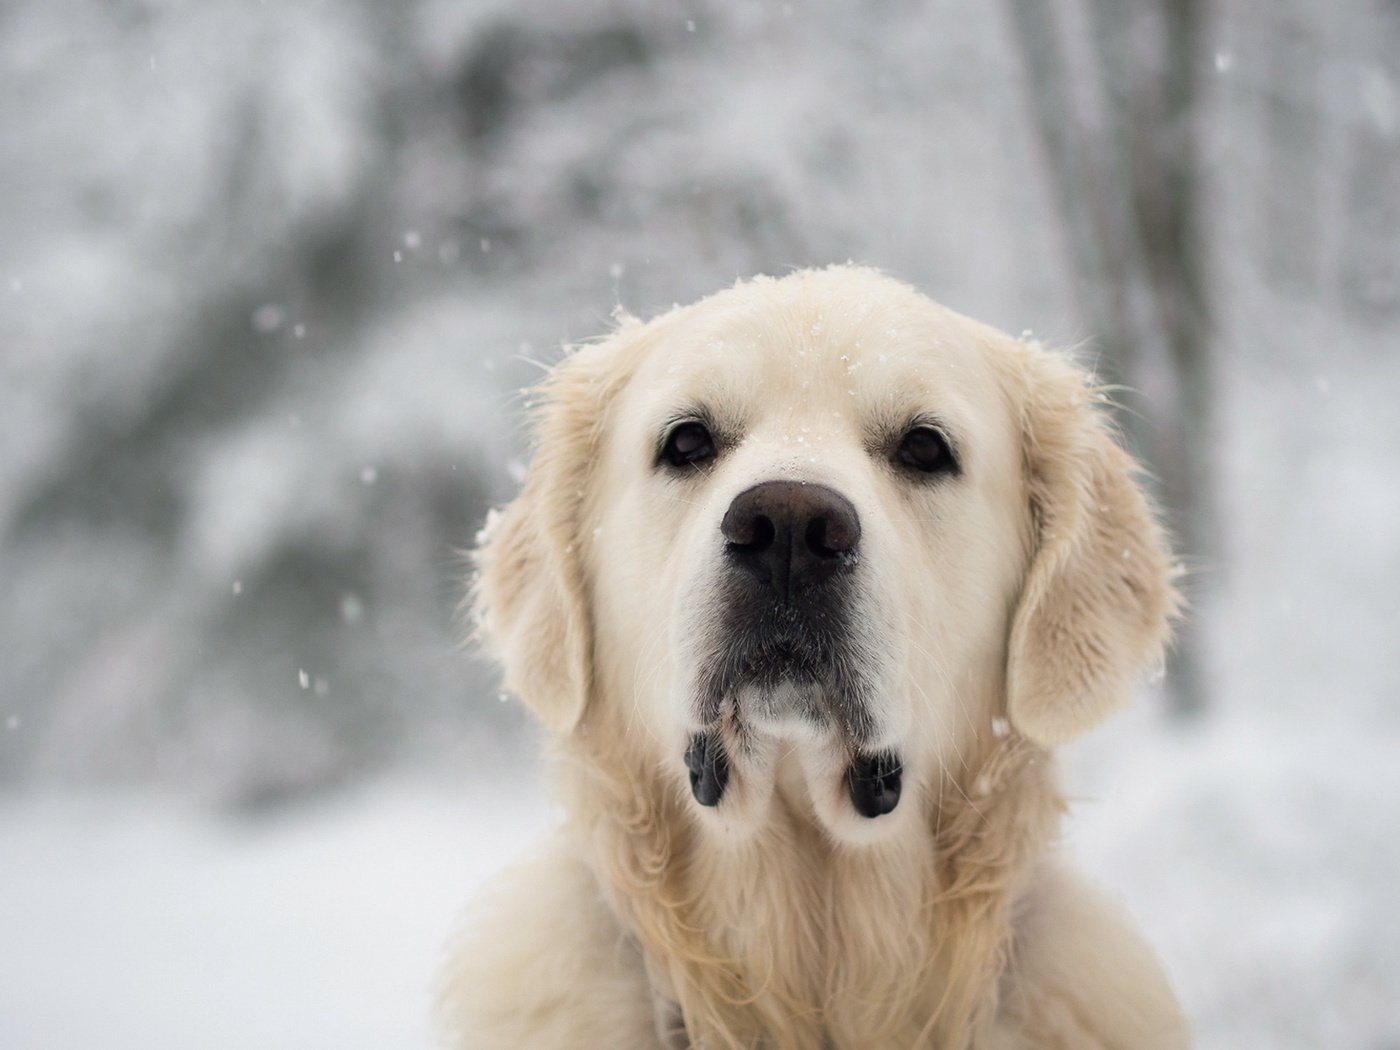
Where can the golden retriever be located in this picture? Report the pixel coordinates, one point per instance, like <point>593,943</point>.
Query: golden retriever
<point>805,581</point>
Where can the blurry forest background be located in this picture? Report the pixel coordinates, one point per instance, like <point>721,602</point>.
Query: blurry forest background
<point>272,276</point>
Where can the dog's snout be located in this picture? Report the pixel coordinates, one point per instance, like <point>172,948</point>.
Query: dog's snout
<point>789,534</point>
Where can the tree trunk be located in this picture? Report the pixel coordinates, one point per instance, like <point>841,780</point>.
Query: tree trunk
<point>1130,199</point>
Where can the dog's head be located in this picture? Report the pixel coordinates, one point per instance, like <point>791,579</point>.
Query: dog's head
<point>822,517</point>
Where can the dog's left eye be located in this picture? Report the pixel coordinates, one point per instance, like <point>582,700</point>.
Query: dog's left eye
<point>688,445</point>
<point>926,450</point>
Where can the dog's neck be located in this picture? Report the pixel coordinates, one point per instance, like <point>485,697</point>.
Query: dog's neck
<point>788,939</point>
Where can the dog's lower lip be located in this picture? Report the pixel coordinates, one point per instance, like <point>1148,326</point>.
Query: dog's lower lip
<point>874,782</point>
<point>709,768</point>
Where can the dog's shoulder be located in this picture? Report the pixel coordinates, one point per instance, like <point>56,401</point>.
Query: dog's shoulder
<point>541,962</point>
<point>1081,974</point>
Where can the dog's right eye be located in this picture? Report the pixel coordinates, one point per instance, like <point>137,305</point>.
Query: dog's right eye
<point>927,451</point>
<point>688,445</point>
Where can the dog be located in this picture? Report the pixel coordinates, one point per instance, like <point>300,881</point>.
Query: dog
<point>805,582</point>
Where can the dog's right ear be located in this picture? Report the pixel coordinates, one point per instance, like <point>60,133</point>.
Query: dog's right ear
<point>530,596</point>
<point>1098,599</point>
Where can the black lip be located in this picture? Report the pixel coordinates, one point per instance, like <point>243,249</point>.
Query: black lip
<point>709,768</point>
<point>875,782</point>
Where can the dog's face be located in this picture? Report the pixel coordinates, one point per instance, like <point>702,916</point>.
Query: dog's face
<point>816,528</point>
<point>812,531</point>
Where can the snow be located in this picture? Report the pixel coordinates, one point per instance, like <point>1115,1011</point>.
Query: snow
<point>1259,857</point>
<point>1255,857</point>
<point>139,921</point>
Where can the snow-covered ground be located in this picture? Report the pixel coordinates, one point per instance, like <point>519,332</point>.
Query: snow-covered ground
<point>1261,857</point>
<point>138,921</point>
<point>1254,856</point>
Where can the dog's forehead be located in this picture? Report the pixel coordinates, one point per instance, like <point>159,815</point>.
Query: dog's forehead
<point>802,350</point>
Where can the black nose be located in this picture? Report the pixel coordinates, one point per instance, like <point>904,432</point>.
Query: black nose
<point>790,535</point>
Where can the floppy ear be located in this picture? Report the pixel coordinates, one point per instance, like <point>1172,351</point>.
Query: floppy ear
<point>1096,602</point>
<point>530,597</point>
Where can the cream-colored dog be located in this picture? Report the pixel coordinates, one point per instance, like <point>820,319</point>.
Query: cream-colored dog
<point>805,581</point>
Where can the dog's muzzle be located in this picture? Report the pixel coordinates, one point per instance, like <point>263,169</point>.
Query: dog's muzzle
<point>783,604</point>
<point>785,645</point>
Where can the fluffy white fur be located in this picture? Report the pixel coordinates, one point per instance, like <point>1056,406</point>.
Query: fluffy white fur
<point>1002,613</point>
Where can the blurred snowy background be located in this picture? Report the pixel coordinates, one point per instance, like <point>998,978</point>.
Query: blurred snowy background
<point>272,273</point>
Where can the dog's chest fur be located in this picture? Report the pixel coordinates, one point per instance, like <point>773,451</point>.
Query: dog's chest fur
<point>790,940</point>
<point>840,941</point>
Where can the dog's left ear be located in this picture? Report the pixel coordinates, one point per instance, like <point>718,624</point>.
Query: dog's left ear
<point>530,595</point>
<point>1096,602</point>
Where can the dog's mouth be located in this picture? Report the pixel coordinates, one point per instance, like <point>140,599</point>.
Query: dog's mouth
<point>771,661</point>
<point>792,670</point>
<point>768,662</point>
<point>874,779</point>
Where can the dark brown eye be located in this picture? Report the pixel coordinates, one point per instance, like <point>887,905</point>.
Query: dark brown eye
<point>688,445</point>
<point>926,450</point>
